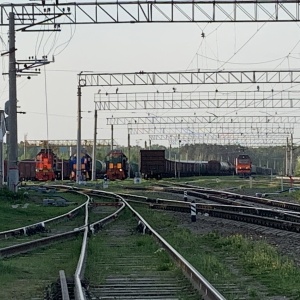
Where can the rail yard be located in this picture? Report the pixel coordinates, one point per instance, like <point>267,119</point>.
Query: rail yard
<point>138,242</point>
<point>211,211</point>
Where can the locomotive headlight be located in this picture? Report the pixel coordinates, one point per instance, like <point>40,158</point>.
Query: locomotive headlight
<point>121,170</point>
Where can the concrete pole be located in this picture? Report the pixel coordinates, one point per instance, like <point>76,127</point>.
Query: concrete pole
<point>94,146</point>
<point>13,172</point>
<point>112,137</point>
<point>78,152</point>
<point>1,148</point>
<point>175,169</point>
<point>178,169</point>
<point>291,157</point>
<point>129,161</point>
<point>286,158</point>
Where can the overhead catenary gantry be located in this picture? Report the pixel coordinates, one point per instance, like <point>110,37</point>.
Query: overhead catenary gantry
<point>26,15</point>
<point>84,142</point>
<point>271,132</point>
<point>197,100</point>
<point>218,130</point>
<point>109,12</point>
<point>249,140</point>
<point>199,77</point>
<point>202,119</point>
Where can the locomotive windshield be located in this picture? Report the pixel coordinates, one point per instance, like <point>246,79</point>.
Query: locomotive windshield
<point>244,160</point>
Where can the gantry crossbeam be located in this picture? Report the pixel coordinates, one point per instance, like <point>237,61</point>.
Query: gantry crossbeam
<point>108,12</point>
<point>100,142</point>
<point>198,100</point>
<point>213,130</point>
<point>202,119</point>
<point>188,77</point>
<point>254,140</point>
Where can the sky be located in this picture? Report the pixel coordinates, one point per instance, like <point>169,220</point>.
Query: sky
<point>50,98</point>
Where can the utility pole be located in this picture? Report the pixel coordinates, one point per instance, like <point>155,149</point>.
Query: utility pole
<point>291,157</point>
<point>129,159</point>
<point>78,155</point>
<point>287,171</point>
<point>95,146</point>
<point>112,137</point>
<point>13,172</point>
<point>2,133</point>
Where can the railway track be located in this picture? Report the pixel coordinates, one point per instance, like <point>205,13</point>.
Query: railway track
<point>148,265</point>
<point>134,266</point>
<point>279,219</point>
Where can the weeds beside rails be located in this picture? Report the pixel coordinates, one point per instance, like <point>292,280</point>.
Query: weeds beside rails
<point>229,260</point>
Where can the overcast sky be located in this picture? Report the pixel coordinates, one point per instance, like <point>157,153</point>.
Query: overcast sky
<point>50,99</point>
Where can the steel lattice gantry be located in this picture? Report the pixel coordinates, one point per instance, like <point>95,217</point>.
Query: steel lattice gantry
<point>226,139</point>
<point>217,130</point>
<point>197,100</point>
<point>151,11</point>
<point>27,15</point>
<point>88,79</point>
<point>202,119</point>
<point>84,142</point>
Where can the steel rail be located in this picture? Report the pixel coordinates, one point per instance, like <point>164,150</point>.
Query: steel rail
<point>22,230</point>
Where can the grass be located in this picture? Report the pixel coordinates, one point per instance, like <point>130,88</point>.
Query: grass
<point>108,259</point>
<point>27,276</point>
<point>227,259</point>
<point>11,217</point>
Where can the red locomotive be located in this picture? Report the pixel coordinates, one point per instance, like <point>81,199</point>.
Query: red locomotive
<point>243,165</point>
<point>45,165</point>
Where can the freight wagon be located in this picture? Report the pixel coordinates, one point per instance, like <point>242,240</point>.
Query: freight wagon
<point>154,165</point>
<point>218,168</point>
